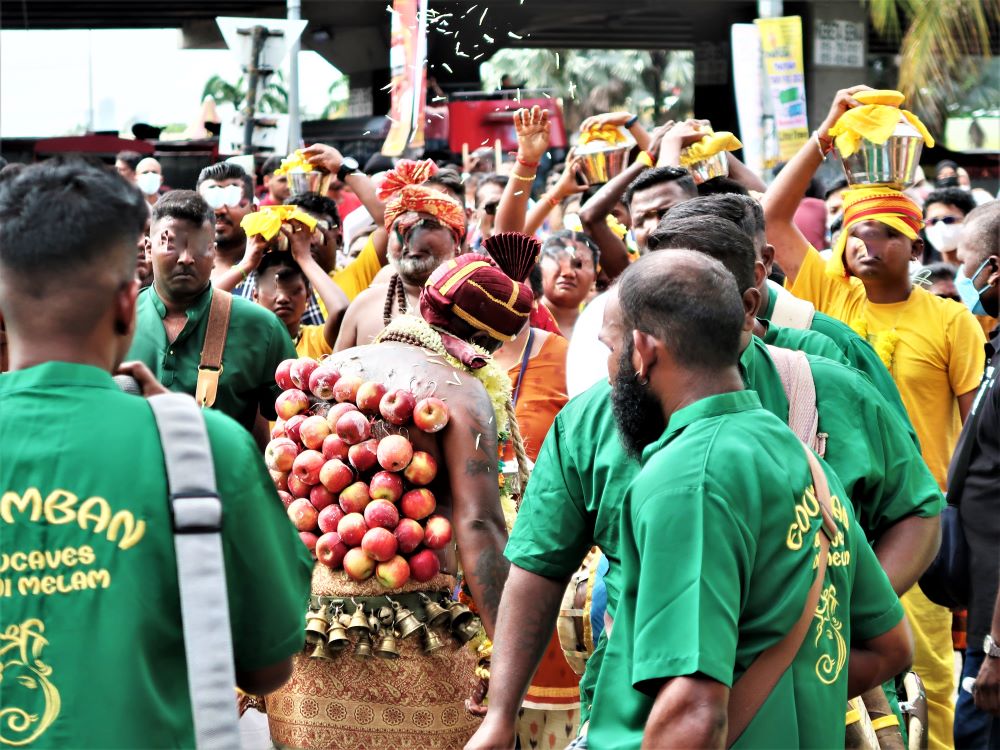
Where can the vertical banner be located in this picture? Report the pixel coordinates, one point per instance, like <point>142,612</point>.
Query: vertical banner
<point>781,48</point>
<point>408,66</point>
<point>749,86</point>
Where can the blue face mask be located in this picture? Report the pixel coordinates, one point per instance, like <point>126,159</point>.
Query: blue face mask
<point>967,292</point>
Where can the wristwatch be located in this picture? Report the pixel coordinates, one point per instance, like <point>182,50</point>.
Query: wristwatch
<point>348,166</point>
<point>991,647</point>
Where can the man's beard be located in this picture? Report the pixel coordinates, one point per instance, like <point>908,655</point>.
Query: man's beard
<point>638,412</point>
<point>416,271</point>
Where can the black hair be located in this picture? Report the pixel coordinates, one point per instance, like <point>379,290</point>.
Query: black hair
<point>225,170</point>
<point>316,204</point>
<point>658,175</point>
<point>688,301</point>
<point>12,170</point>
<point>270,164</point>
<point>721,186</point>
<point>951,196</point>
<point>451,180</point>
<point>564,236</point>
<point>59,218</point>
<point>833,186</point>
<point>741,210</point>
<point>714,236</point>
<point>183,204</point>
<point>939,272</point>
<point>944,164</point>
<point>981,233</point>
<point>131,158</point>
<point>492,178</point>
<point>285,266</point>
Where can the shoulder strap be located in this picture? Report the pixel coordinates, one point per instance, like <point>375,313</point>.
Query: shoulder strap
<point>210,367</point>
<point>800,390</point>
<point>754,686</point>
<point>791,312</point>
<point>196,511</point>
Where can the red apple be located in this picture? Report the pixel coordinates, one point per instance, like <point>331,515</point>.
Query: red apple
<point>363,455</point>
<point>303,514</point>
<point>409,534</point>
<point>293,426</point>
<point>394,452</point>
<point>321,497</point>
<point>418,503</point>
<point>346,388</point>
<point>286,499</point>
<point>280,453</point>
<point>386,486</point>
<point>354,427</point>
<point>381,514</point>
<point>355,498</point>
<point>330,516</point>
<point>337,411</point>
<point>298,488</point>
<point>397,406</point>
<point>278,430</point>
<point>430,414</point>
<point>322,380</point>
<point>424,565</point>
<point>301,370</point>
<point>336,475</point>
<point>290,403</point>
<point>379,544</point>
<point>309,539</point>
<point>307,466</point>
<point>352,529</point>
<point>393,573</point>
<point>437,532</point>
<point>280,479</point>
<point>422,469</point>
<point>369,395</point>
<point>358,565</point>
<point>313,432</point>
<point>283,376</point>
<point>335,447</point>
<point>330,550</point>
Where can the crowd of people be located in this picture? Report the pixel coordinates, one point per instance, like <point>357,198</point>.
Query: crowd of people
<point>706,438</point>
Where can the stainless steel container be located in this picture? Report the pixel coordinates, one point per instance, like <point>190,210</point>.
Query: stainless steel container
<point>602,161</point>
<point>716,165</point>
<point>891,164</point>
<point>316,181</point>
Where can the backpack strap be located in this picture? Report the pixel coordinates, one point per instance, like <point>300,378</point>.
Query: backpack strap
<point>752,689</point>
<point>210,367</point>
<point>800,390</point>
<point>196,513</point>
<point>791,312</point>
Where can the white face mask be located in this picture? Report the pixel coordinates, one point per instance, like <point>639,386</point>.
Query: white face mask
<point>149,182</point>
<point>943,236</point>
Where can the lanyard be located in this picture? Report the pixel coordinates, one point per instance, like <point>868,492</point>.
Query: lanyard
<point>525,356</point>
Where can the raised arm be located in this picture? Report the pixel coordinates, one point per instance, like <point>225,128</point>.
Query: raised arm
<point>782,198</point>
<point>332,295</point>
<point>532,127</point>
<point>565,187</point>
<point>236,275</point>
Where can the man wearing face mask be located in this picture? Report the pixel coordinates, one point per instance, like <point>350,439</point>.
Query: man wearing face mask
<point>149,178</point>
<point>228,190</point>
<point>944,211</point>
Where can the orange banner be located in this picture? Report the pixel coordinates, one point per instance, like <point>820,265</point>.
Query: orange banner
<point>408,66</point>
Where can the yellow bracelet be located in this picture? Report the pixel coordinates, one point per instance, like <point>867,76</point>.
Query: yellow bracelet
<point>526,179</point>
<point>645,159</point>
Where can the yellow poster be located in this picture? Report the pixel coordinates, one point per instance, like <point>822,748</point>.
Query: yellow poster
<point>781,50</point>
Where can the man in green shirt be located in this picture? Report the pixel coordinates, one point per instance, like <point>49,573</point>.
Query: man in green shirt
<point>724,503</point>
<point>172,316</point>
<point>91,646</point>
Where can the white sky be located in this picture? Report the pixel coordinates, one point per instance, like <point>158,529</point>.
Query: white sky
<point>138,75</point>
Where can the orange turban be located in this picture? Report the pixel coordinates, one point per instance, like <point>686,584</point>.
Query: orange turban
<point>403,192</point>
<point>886,205</point>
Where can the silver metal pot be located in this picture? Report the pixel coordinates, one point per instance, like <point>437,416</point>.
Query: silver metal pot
<point>891,164</point>
<point>316,181</point>
<point>716,165</point>
<point>602,161</point>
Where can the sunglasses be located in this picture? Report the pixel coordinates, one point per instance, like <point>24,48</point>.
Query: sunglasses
<point>490,209</point>
<point>942,220</point>
<point>217,196</point>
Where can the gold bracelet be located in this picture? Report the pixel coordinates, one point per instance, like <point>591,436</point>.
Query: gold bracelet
<point>525,179</point>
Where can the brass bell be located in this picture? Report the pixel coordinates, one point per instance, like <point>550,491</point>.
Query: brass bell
<point>364,648</point>
<point>467,631</point>
<point>436,614</point>
<point>387,647</point>
<point>359,621</point>
<point>459,614</point>
<point>316,626</point>
<point>336,637</point>
<point>320,651</point>
<point>432,642</point>
<point>406,621</point>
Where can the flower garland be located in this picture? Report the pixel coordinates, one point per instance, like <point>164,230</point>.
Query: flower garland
<point>884,342</point>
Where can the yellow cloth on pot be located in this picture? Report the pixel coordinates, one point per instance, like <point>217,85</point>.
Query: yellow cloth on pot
<point>267,220</point>
<point>608,133</point>
<point>712,144</point>
<point>294,163</point>
<point>875,120</point>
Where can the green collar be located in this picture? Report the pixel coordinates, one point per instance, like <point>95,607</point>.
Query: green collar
<point>706,408</point>
<point>51,375</point>
<point>769,302</point>
<point>194,312</point>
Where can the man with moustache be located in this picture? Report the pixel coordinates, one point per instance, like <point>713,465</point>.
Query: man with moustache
<point>228,190</point>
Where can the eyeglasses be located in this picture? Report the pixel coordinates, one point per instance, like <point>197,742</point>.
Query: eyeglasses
<point>218,196</point>
<point>949,220</point>
<point>490,209</point>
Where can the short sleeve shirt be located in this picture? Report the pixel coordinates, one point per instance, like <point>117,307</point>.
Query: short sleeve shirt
<point>88,570</point>
<point>358,275</point>
<point>312,342</point>
<point>739,548</point>
<point>256,343</point>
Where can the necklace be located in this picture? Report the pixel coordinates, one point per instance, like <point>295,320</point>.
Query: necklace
<point>396,292</point>
<point>884,342</point>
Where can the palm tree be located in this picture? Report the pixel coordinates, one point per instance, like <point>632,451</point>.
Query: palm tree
<point>940,37</point>
<point>273,98</point>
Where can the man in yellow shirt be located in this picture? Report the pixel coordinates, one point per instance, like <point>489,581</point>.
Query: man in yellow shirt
<point>932,347</point>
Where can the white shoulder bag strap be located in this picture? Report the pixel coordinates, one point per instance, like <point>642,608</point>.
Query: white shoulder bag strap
<point>800,390</point>
<point>792,312</point>
<point>196,511</point>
